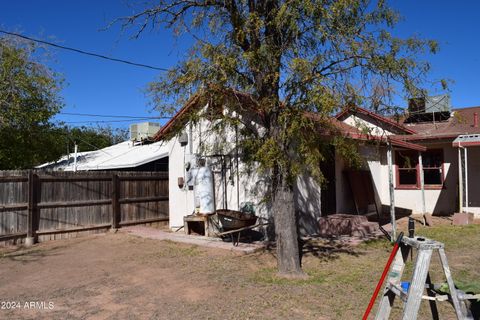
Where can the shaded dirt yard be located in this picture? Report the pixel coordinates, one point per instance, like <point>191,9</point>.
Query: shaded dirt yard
<point>119,276</point>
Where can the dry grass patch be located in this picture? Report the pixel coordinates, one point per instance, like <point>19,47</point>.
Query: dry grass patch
<point>117,276</point>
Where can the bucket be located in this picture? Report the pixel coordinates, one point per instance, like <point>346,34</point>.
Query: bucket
<point>405,285</point>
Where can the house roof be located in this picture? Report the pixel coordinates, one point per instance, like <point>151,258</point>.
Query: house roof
<point>461,122</point>
<point>195,102</point>
<point>333,127</point>
<point>119,156</point>
<point>389,123</point>
<point>178,119</point>
<point>338,127</point>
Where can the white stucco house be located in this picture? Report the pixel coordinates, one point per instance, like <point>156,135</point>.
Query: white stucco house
<point>235,184</point>
<point>451,140</point>
<point>351,191</point>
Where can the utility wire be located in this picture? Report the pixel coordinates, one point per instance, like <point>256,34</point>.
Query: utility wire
<point>83,52</point>
<point>91,145</point>
<point>109,116</point>
<point>106,121</point>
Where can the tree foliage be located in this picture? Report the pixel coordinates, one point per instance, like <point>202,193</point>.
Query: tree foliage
<point>308,55</point>
<point>90,138</point>
<point>29,97</point>
<point>295,58</point>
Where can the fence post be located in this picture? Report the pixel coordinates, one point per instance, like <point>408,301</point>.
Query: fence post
<point>115,203</point>
<point>32,204</point>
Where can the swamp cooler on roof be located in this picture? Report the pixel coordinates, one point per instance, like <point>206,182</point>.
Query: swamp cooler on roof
<point>144,130</point>
<point>440,103</point>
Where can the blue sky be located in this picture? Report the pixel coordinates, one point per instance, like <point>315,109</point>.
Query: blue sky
<point>455,25</point>
<point>103,87</point>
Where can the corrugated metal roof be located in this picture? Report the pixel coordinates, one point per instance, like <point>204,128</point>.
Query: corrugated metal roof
<point>467,140</point>
<point>118,156</point>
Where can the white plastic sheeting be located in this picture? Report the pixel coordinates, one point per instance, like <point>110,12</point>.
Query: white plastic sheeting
<point>123,155</point>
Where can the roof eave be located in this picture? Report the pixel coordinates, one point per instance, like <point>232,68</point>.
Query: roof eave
<point>192,102</point>
<point>393,141</point>
<point>466,144</point>
<point>378,117</point>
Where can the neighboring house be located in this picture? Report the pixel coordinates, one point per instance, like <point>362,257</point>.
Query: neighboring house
<point>348,190</point>
<point>126,156</point>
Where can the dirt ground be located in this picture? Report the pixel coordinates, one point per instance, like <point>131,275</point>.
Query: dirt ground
<point>118,276</point>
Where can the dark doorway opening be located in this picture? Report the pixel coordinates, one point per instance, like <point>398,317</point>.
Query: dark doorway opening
<point>328,194</point>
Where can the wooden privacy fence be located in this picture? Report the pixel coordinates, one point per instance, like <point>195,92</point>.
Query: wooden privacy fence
<point>42,204</point>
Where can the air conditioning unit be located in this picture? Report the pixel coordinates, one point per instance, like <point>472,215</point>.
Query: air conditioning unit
<point>143,131</point>
<point>433,104</point>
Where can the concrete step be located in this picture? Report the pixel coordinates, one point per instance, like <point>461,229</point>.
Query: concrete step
<point>365,229</point>
<point>202,241</point>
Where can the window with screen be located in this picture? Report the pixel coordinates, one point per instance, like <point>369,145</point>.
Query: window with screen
<point>407,162</point>
<point>408,175</point>
<point>432,161</point>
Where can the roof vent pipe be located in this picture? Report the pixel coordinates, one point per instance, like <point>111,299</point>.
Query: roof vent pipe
<point>475,120</point>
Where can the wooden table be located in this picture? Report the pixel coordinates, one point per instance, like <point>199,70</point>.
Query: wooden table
<point>199,223</point>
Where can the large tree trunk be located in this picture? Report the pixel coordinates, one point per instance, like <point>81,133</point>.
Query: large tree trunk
<point>288,257</point>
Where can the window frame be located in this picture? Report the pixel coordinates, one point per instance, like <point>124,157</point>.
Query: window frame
<point>398,169</point>
<point>417,186</point>
<point>441,168</point>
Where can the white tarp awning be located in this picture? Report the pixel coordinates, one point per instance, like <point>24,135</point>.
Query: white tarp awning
<point>122,155</point>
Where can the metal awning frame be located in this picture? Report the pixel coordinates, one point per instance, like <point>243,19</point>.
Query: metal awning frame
<point>391,144</point>
<point>462,142</point>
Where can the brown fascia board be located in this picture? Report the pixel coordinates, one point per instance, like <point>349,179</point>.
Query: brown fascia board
<point>425,138</point>
<point>466,144</point>
<point>191,103</point>
<point>353,110</point>
<point>395,142</point>
<point>407,145</point>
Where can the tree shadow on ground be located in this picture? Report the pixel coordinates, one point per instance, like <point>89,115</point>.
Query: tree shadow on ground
<point>246,236</point>
<point>326,250</point>
<point>26,255</point>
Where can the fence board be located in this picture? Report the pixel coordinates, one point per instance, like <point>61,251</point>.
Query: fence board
<point>65,204</point>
